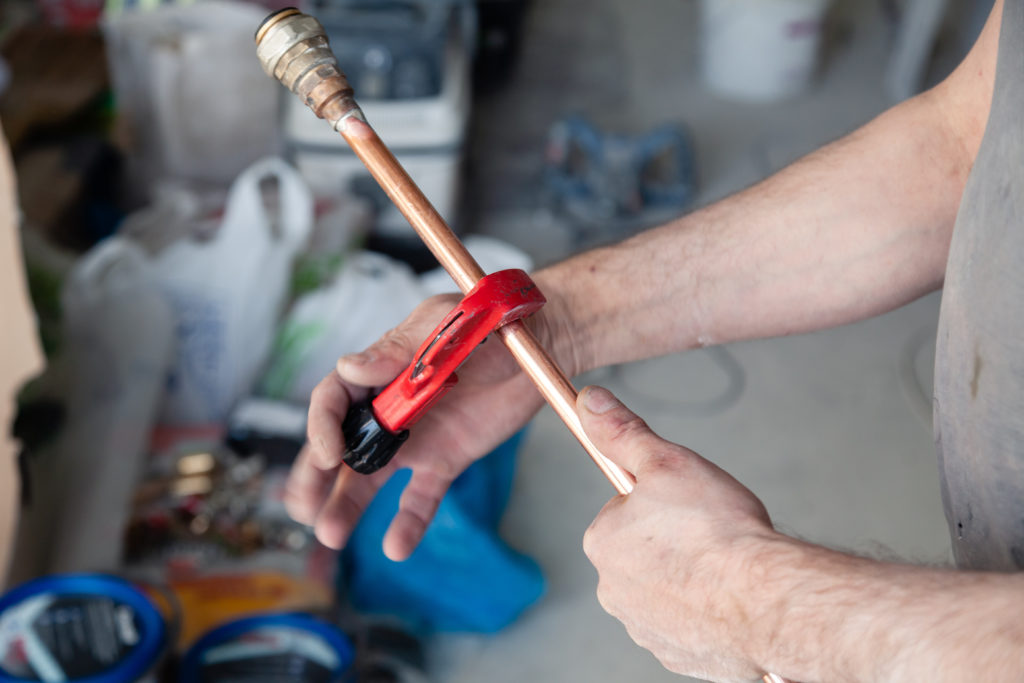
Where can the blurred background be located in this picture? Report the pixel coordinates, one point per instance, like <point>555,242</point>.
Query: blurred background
<point>200,248</point>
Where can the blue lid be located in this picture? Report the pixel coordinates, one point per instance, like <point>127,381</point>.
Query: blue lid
<point>147,624</point>
<point>196,659</point>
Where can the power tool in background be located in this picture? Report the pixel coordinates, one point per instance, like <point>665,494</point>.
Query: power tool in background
<point>608,185</point>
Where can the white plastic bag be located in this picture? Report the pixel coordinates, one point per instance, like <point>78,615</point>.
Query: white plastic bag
<point>228,293</point>
<point>118,334</point>
<point>492,254</point>
<point>371,294</point>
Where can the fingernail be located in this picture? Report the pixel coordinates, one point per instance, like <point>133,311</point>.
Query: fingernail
<point>598,400</point>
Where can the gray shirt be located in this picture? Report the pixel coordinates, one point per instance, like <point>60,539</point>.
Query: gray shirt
<point>979,369</point>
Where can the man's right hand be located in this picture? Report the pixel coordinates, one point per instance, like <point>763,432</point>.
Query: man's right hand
<point>492,400</point>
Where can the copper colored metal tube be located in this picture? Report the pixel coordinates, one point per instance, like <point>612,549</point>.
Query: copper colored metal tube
<point>416,208</point>
<point>292,47</point>
<point>560,394</point>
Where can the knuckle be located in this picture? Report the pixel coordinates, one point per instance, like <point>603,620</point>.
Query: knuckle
<point>317,395</point>
<point>605,598</point>
<point>594,541</point>
<point>301,503</point>
<point>590,544</point>
<point>661,462</point>
<point>630,428</point>
<point>429,313</point>
<point>402,340</point>
<point>328,534</point>
<point>396,342</point>
<point>348,508</point>
<point>666,659</point>
<point>640,637</point>
<point>392,339</point>
<point>300,509</point>
<point>439,302</point>
<point>420,505</point>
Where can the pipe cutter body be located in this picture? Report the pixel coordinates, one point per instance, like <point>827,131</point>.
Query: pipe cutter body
<point>375,429</point>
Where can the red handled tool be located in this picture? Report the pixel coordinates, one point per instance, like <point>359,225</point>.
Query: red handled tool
<point>375,429</point>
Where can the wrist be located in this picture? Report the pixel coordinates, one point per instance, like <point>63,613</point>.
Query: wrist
<point>755,581</point>
<point>818,612</point>
<point>556,325</point>
<point>794,595</point>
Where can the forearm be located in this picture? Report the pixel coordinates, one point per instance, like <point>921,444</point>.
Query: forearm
<point>821,615</point>
<point>857,228</point>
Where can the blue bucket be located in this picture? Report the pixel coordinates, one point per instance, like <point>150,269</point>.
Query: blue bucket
<point>276,647</point>
<point>80,628</point>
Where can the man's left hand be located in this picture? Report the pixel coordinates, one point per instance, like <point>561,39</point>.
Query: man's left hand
<point>673,555</point>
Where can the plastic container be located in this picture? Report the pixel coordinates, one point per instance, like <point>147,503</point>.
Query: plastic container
<point>760,50</point>
<point>277,647</point>
<point>119,335</point>
<point>80,628</point>
<point>409,62</point>
<point>394,50</point>
<point>197,103</point>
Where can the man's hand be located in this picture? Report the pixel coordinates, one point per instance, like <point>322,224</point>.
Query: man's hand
<point>492,400</point>
<point>667,552</point>
<point>690,564</point>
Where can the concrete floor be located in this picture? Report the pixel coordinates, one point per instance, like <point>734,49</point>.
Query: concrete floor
<point>832,430</point>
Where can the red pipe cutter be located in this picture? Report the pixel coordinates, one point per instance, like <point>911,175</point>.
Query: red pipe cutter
<point>375,429</point>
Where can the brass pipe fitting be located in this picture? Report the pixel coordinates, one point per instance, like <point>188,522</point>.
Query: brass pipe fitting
<point>293,48</point>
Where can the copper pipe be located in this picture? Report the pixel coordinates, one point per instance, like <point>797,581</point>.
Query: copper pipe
<point>560,394</point>
<point>416,208</point>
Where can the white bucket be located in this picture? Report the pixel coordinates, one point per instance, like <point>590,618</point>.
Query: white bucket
<point>760,50</point>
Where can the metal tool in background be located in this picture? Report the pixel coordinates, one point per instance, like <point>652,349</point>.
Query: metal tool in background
<point>610,185</point>
<point>293,48</point>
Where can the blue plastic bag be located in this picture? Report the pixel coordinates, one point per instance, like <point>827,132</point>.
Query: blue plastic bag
<point>462,577</point>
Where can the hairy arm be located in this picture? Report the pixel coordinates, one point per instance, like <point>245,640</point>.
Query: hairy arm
<point>835,617</point>
<point>855,229</point>
<point>690,564</point>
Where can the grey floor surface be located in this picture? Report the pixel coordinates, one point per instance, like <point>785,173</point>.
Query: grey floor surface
<point>832,430</point>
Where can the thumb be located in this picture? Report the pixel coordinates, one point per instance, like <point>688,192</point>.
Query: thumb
<point>392,353</point>
<point>380,363</point>
<point>616,431</point>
